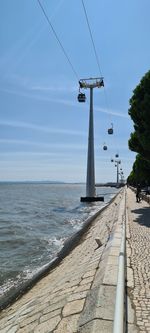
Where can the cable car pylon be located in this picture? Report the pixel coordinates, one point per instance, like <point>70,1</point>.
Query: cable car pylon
<point>90,83</point>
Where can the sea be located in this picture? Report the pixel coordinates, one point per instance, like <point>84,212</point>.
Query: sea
<point>35,221</point>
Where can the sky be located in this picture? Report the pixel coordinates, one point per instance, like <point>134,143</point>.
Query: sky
<point>43,127</point>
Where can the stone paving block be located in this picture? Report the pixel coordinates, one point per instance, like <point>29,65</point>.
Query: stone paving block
<point>132,328</point>
<point>54,306</point>
<point>83,287</point>
<point>67,283</point>
<point>111,275</point>
<point>128,250</point>
<point>5,322</point>
<point>128,262</point>
<point>36,309</point>
<point>89,273</point>
<point>112,260</point>
<point>97,326</point>
<point>130,278</point>
<point>76,296</point>
<point>98,278</point>
<point>114,251</point>
<point>48,326</point>
<point>67,290</point>
<point>73,307</point>
<point>74,282</point>
<point>55,299</point>
<point>106,302</point>
<point>28,320</point>
<point>118,233</point>
<point>130,312</point>
<point>88,313</point>
<point>9,329</point>
<point>28,328</point>
<point>50,315</point>
<point>127,229</point>
<point>116,242</point>
<point>26,309</point>
<point>68,325</point>
<point>86,280</point>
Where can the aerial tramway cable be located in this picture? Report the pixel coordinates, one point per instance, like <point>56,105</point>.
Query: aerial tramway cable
<point>90,31</point>
<point>97,60</point>
<point>63,49</point>
<point>58,40</point>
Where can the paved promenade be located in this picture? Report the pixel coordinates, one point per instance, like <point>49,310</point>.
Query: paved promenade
<point>78,296</point>
<point>138,249</point>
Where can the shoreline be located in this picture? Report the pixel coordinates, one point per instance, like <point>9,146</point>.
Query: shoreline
<point>70,243</point>
<point>79,294</point>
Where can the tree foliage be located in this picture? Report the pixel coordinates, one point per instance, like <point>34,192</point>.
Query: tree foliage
<point>140,172</point>
<point>140,114</point>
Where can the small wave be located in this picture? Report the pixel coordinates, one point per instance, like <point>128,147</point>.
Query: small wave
<point>59,209</point>
<point>57,242</point>
<point>86,212</point>
<point>6,286</point>
<point>10,284</point>
<point>76,223</point>
<point>28,273</point>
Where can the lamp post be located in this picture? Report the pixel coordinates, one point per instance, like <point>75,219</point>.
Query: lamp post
<point>117,162</point>
<point>121,176</point>
<point>90,178</point>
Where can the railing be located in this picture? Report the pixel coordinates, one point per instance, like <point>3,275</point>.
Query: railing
<point>119,317</point>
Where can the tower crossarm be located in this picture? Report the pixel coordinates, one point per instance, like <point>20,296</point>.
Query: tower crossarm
<point>91,83</point>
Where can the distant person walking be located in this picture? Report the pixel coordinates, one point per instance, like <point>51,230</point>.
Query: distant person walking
<point>138,193</point>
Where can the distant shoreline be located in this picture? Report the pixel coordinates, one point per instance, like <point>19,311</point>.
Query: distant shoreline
<point>37,182</point>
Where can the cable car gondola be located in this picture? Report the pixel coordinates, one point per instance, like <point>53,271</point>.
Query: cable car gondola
<point>110,130</point>
<point>81,97</point>
<point>104,147</point>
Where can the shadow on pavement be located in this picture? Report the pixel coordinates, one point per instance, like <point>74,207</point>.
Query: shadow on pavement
<point>143,217</point>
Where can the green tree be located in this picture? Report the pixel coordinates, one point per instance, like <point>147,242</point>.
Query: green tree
<point>140,172</point>
<point>140,114</point>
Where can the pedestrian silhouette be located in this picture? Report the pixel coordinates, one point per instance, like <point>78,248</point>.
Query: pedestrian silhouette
<point>138,193</point>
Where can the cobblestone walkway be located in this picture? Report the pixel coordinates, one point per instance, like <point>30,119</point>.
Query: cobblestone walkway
<point>69,299</point>
<point>139,259</point>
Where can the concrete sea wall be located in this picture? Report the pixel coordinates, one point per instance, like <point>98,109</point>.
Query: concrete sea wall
<point>78,292</point>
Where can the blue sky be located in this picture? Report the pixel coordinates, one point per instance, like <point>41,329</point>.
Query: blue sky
<point>43,128</point>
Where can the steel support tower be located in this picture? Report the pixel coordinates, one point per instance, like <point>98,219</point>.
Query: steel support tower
<point>90,178</point>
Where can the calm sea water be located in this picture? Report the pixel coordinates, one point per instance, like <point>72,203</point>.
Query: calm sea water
<point>35,220</point>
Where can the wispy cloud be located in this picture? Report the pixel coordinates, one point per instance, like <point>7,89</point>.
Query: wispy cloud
<point>45,129</point>
<point>44,144</point>
<point>29,94</point>
<point>8,154</point>
<point>103,110</point>
<point>55,88</point>
<point>111,112</point>
<point>115,113</point>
